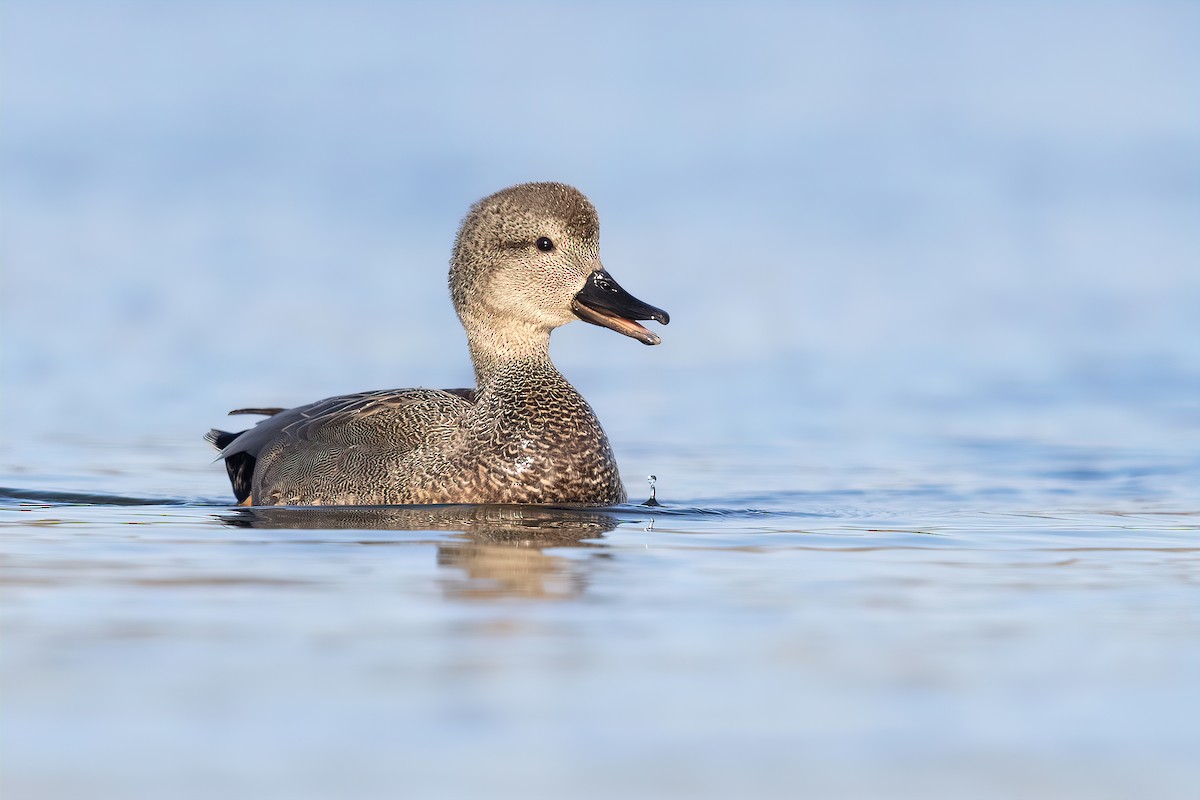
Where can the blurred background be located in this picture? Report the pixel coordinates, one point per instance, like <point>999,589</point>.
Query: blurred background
<point>926,419</point>
<point>856,213</point>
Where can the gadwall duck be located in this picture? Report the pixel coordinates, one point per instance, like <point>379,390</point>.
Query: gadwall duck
<point>526,261</point>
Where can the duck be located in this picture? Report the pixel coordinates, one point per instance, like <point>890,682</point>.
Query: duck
<point>526,260</point>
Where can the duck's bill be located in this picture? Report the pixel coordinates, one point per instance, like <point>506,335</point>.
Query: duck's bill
<point>603,302</point>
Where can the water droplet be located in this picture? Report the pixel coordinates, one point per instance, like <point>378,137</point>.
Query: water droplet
<point>652,479</point>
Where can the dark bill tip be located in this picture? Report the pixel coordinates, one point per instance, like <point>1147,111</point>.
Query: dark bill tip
<point>603,302</point>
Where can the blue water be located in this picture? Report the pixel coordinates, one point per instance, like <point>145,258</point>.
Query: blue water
<point>925,422</point>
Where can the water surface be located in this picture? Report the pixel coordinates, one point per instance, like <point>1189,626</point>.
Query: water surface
<point>950,638</point>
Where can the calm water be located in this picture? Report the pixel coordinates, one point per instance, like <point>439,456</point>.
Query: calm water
<point>926,421</point>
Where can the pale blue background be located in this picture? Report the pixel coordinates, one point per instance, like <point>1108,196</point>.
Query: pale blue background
<point>857,204</point>
<point>934,278</point>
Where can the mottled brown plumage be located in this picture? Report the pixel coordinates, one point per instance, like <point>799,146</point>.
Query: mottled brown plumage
<point>526,261</point>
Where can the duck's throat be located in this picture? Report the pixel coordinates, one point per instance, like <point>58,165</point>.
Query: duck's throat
<point>500,351</point>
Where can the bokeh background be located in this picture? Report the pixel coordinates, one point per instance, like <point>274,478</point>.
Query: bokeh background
<point>855,212</point>
<point>928,264</point>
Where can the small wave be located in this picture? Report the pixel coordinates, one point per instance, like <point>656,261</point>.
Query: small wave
<point>724,513</point>
<point>10,496</point>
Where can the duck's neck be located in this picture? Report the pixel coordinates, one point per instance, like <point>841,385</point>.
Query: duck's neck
<point>502,351</point>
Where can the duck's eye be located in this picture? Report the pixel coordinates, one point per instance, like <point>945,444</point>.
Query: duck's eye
<point>545,245</point>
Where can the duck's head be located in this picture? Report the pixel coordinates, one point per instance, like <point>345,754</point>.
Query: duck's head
<point>529,256</point>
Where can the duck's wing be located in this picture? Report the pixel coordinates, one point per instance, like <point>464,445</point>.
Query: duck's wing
<point>399,419</point>
<point>334,446</point>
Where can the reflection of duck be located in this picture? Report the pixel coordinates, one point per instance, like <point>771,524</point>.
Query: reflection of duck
<point>501,548</point>
<point>550,526</point>
<point>526,261</point>
<point>512,570</point>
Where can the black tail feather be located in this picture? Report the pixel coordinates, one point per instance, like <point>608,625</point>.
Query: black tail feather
<point>240,466</point>
<point>221,439</point>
